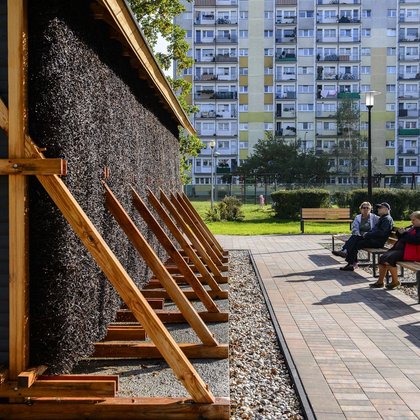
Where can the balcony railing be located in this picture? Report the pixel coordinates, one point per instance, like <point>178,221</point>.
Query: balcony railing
<point>352,95</point>
<point>408,39</point>
<point>216,2</point>
<point>226,21</point>
<point>209,94</point>
<point>286,95</point>
<point>408,57</point>
<point>285,39</point>
<point>287,20</point>
<point>286,76</point>
<point>285,57</point>
<point>409,131</point>
<point>409,113</point>
<point>330,2</point>
<point>408,95</point>
<point>409,76</point>
<point>225,58</point>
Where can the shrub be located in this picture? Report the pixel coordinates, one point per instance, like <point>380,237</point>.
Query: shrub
<point>287,203</point>
<point>340,198</point>
<point>228,209</point>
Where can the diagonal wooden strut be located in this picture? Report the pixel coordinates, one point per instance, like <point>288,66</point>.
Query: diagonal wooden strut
<point>190,235</point>
<point>185,245</point>
<point>152,260</point>
<point>166,242</point>
<point>196,217</point>
<point>119,278</point>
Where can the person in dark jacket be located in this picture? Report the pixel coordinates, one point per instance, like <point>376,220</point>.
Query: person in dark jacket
<point>407,248</point>
<point>375,238</point>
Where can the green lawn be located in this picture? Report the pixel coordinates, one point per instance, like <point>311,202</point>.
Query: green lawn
<point>262,222</point>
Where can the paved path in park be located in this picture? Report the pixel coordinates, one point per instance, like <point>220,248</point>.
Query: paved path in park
<point>356,349</point>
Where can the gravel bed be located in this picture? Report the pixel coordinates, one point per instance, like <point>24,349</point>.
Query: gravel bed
<point>260,385</point>
<point>409,276</point>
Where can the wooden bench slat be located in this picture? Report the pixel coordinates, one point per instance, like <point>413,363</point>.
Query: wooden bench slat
<point>324,215</point>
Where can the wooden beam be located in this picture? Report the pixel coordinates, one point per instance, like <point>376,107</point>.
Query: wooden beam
<point>188,203</point>
<point>170,248</point>
<point>118,408</point>
<point>147,350</point>
<point>125,333</point>
<point>60,388</point>
<point>81,377</point>
<point>189,293</point>
<point>121,281</point>
<point>201,250</point>
<point>212,253</point>
<point>28,377</point>
<point>175,317</point>
<point>17,41</point>
<point>153,262</point>
<point>183,242</point>
<point>33,167</point>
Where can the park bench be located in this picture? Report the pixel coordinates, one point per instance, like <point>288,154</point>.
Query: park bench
<point>413,266</point>
<point>324,215</point>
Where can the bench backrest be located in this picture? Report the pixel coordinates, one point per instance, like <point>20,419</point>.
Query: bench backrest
<point>327,213</point>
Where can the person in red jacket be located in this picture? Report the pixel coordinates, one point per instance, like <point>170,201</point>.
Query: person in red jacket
<point>407,248</point>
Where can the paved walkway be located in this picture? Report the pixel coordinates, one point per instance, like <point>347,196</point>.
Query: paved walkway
<point>357,350</point>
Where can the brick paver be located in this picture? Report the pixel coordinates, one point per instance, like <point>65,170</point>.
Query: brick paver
<point>356,349</point>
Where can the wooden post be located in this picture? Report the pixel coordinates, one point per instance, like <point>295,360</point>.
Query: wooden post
<point>188,204</point>
<point>185,245</point>
<point>152,260</point>
<point>166,242</point>
<point>18,222</point>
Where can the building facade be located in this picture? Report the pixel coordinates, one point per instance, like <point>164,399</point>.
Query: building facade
<point>287,66</point>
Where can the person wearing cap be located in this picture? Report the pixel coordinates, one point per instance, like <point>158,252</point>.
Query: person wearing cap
<point>375,238</point>
<point>407,248</point>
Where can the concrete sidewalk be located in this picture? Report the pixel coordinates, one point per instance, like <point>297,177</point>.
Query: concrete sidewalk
<point>356,349</point>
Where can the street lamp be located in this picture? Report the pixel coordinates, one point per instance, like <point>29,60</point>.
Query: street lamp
<point>369,105</point>
<point>212,145</point>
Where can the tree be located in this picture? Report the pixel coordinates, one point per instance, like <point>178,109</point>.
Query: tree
<point>273,156</point>
<point>156,19</point>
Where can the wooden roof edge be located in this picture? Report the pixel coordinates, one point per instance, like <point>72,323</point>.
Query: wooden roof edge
<point>124,18</point>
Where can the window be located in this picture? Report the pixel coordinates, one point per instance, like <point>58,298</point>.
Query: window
<point>330,33</point>
<point>268,52</point>
<point>390,51</point>
<point>366,13</point>
<point>410,162</point>
<point>390,125</point>
<point>268,126</point>
<point>305,126</point>
<point>187,71</point>
<point>188,34</point>
<point>223,144</point>
<point>243,52</point>
<point>391,12</point>
<point>305,107</point>
<point>306,52</point>
<point>243,89</point>
<point>268,70</point>
<point>365,69</point>
<point>364,125</point>
<point>306,70</point>
<point>243,33</point>
<point>366,32</point>
<point>390,162</point>
<point>268,14</point>
<point>306,89</point>
<point>306,13</point>
<point>268,33</point>
<point>390,107</point>
<point>243,71</point>
<point>366,51</point>
<point>390,88</point>
<point>243,145</point>
<point>390,144</point>
<point>243,107</point>
<point>391,69</point>
<point>243,126</point>
<point>243,14</point>
<point>306,33</point>
<point>268,88</point>
<point>391,32</point>
<point>268,107</point>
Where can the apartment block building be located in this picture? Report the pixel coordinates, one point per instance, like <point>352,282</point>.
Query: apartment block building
<point>285,66</point>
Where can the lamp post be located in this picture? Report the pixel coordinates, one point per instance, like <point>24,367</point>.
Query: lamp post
<point>369,105</point>
<point>212,145</point>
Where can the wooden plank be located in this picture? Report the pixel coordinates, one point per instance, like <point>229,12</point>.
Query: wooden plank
<point>147,350</point>
<point>175,317</point>
<point>33,167</point>
<point>125,333</point>
<point>60,388</point>
<point>212,253</point>
<point>182,241</point>
<point>17,40</point>
<point>188,203</point>
<point>121,281</point>
<point>154,302</point>
<point>170,248</point>
<point>75,377</point>
<point>153,262</point>
<point>118,408</point>
<point>200,226</point>
<point>202,252</point>
<point>189,293</point>
<point>28,377</point>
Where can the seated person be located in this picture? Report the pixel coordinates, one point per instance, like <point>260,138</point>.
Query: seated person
<point>375,238</point>
<point>407,248</point>
<point>363,222</point>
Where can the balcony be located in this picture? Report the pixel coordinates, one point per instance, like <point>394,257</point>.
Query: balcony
<point>225,95</point>
<point>224,170</point>
<point>408,113</point>
<point>325,114</point>
<point>331,2</point>
<point>213,3</point>
<point>327,94</point>
<point>226,21</point>
<point>409,76</point>
<point>286,76</point>
<point>286,2</point>
<point>233,39</point>
<point>408,95</point>
<point>285,39</point>
<point>203,20</point>
<point>285,57</point>
<point>351,95</point>
<point>286,113</point>
<point>205,77</point>
<point>286,95</point>
<point>409,19</point>
<point>226,58</point>
<point>408,57</point>
<point>408,131</point>
<point>287,20</point>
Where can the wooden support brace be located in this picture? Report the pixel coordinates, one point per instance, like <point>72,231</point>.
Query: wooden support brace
<point>120,279</point>
<point>33,167</point>
<point>182,241</point>
<point>179,262</point>
<point>155,303</point>
<point>147,350</point>
<point>125,333</point>
<point>118,408</point>
<point>189,293</point>
<point>28,377</point>
<point>152,260</point>
<point>200,220</point>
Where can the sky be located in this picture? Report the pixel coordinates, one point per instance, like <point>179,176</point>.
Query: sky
<point>161,47</point>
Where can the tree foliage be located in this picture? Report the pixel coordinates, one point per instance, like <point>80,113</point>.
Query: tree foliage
<point>272,155</point>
